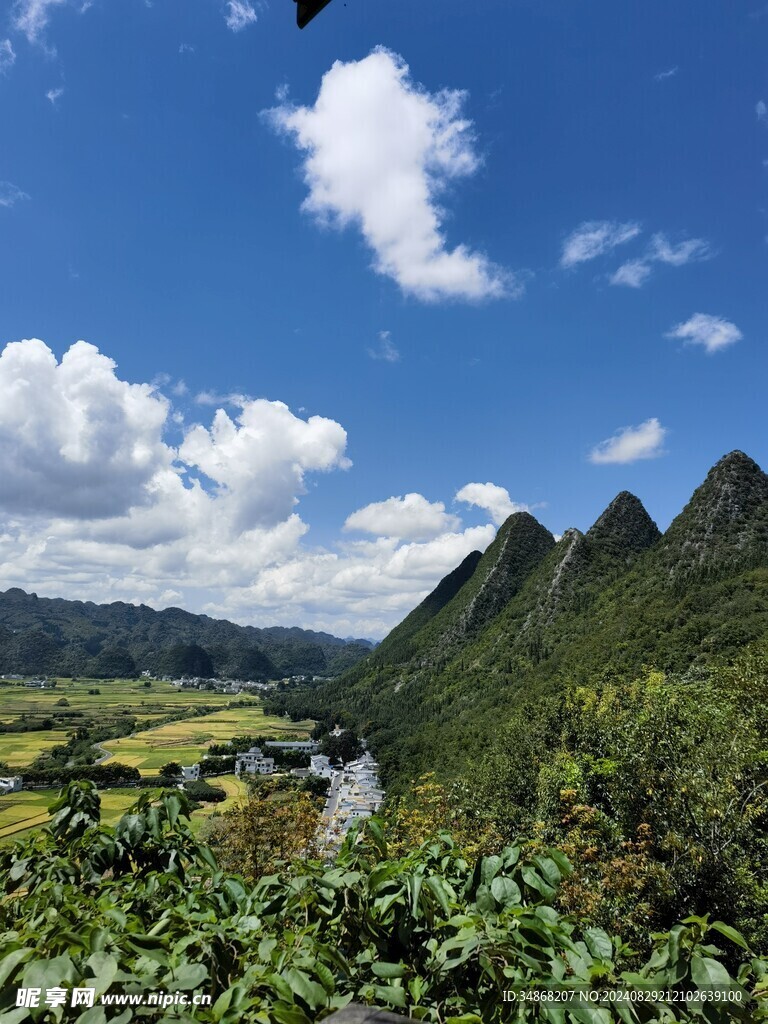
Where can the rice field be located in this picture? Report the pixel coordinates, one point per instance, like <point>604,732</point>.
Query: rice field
<point>21,748</point>
<point>20,812</point>
<point>26,811</point>
<point>186,741</point>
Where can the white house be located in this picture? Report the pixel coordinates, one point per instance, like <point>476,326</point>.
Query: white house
<point>10,784</point>
<point>190,773</point>
<point>305,746</point>
<point>320,765</point>
<point>254,763</point>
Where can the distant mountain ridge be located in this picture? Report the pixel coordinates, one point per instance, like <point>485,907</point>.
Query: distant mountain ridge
<point>535,615</point>
<point>61,637</point>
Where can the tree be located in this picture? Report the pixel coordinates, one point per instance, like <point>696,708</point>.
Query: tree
<point>264,833</point>
<point>172,770</point>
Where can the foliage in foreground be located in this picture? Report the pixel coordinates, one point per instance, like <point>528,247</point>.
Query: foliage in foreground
<point>142,906</point>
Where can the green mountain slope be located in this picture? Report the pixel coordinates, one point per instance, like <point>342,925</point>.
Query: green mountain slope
<point>397,646</point>
<point>536,617</point>
<point>59,637</point>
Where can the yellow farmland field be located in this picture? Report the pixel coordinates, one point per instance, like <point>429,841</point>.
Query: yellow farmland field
<point>187,740</point>
<point>20,748</point>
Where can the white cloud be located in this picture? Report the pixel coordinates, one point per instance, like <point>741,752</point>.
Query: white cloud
<point>54,95</point>
<point>663,75</point>
<point>7,56</point>
<point>386,349</point>
<point>594,238</point>
<point>75,440</point>
<point>10,194</point>
<point>691,250</point>
<point>258,461</point>
<point>380,151</point>
<point>633,273</point>
<point>411,517</point>
<point>712,332</point>
<point>240,14</point>
<point>31,17</point>
<point>186,48</point>
<point>629,444</point>
<point>761,110</point>
<point>96,504</point>
<point>492,498</point>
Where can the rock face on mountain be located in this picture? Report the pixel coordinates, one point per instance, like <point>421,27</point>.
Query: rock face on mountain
<point>724,526</point>
<point>536,615</point>
<point>519,547</point>
<point>625,529</point>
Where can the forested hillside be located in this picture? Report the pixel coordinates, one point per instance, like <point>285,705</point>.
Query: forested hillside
<point>52,636</point>
<point>537,617</point>
<point>611,697</point>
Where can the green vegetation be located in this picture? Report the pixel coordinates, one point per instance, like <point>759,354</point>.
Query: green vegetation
<point>141,906</point>
<point>73,638</point>
<point>615,704</point>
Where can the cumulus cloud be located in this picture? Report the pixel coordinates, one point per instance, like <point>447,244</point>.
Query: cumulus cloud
<point>240,14</point>
<point>593,238</point>
<point>74,439</point>
<point>258,460</point>
<point>31,17</point>
<point>761,110</point>
<point>7,56</point>
<point>411,517</point>
<point>492,498</point>
<point>630,444</point>
<point>10,194</point>
<point>711,332</point>
<point>380,152</point>
<point>386,349</point>
<point>54,95</point>
<point>96,504</point>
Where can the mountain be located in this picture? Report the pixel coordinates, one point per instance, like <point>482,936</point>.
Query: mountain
<point>59,637</point>
<point>536,616</point>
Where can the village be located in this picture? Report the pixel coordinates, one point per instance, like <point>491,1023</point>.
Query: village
<point>354,792</point>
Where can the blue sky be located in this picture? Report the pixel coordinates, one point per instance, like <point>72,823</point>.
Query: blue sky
<point>488,240</point>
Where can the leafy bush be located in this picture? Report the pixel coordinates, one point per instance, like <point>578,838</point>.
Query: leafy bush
<point>141,906</point>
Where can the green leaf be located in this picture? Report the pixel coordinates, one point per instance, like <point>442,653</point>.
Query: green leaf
<point>11,961</point>
<point>505,891</point>
<point>489,868</point>
<point>385,970</point>
<point>441,892</point>
<point>104,967</point>
<point>302,985</point>
<point>598,943</point>
<point>707,973</point>
<point>390,994</point>
<point>730,933</point>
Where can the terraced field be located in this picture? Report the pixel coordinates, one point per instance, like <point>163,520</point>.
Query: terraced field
<point>186,741</point>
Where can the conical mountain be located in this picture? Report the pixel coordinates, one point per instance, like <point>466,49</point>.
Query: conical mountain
<point>520,545</point>
<point>625,529</point>
<point>396,646</point>
<point>724,527</point>
<point>535,617</point>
